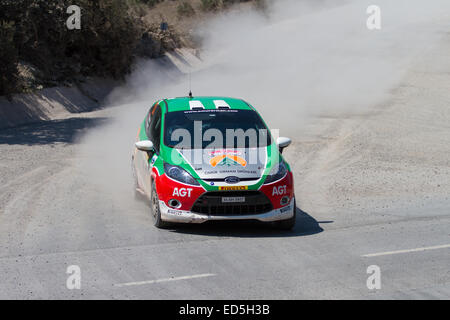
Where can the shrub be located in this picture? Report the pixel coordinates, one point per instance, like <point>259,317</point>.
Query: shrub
<point>185,9</point>
<point>8,58</point>
<point>209,5</point>
<point>150,3</point>
<point>34,31</point>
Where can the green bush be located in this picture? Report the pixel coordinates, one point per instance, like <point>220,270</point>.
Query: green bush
<point>34,36</point>
<point>150,3</point>
<point>185,9</point>
<point>209,5</point>
<point>34,31</point>
<point>8,58</point>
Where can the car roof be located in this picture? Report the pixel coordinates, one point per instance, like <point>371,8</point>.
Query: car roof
<point>207,103</point>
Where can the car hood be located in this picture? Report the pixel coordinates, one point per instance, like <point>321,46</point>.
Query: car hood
<point>217,164</point>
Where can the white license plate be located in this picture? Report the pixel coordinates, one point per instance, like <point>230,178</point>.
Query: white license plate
<point>233,199</point>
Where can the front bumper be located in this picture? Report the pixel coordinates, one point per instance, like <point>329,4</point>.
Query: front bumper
<point>182,216</point>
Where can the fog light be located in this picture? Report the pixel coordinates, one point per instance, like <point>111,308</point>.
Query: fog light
<point>174,203</point>
<point>284,201</point>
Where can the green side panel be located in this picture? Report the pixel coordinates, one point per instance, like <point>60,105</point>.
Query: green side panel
<point>159,165</point>
<point>142,133</point>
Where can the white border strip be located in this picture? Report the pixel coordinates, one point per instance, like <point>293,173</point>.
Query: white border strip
<point>139,283</point>
<point>444,246</point>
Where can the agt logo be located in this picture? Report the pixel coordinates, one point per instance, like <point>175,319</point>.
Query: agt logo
<point>280,190</point>
<point>182,192</point>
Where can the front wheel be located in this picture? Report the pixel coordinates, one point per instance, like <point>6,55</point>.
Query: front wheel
<point>155,210</point>
<point>287,224</point>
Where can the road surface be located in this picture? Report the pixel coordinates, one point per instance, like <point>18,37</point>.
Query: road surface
<point>372,189</point>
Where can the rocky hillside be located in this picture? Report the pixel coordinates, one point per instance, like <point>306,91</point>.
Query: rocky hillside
<point>38,50</point>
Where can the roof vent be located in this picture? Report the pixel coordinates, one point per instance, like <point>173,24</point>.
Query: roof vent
<point>221,105</point>
<point>196,105</point>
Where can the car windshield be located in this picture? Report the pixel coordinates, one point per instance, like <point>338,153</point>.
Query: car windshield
<point>217,128</point>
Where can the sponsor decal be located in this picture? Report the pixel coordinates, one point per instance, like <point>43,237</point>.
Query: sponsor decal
<point>227,160</point>
<point>182,192</point>
<point>280,190</point>
<point>211,111</point>
<point>224,151</point>
<point>287,208</point>
<point>152,162</point>
<point>233,188</point>
<point>226,157</point>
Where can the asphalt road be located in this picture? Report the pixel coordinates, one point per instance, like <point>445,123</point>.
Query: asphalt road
<point>372,189</point>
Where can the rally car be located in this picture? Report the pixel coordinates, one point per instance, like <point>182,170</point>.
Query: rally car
<point>198,159</point>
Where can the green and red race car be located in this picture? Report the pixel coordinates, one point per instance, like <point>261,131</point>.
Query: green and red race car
<point>212,158</point>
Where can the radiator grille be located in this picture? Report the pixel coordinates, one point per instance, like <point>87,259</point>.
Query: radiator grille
<point>210,203</point>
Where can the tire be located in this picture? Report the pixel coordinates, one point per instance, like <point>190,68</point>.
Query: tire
<point>287,224</point>
<point>155,210</point>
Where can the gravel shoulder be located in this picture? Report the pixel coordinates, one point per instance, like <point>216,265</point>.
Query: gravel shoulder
<point>390,163</point>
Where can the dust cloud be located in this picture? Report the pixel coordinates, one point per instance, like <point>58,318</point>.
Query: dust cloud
<point>304,58</point>
<point>296,60</point>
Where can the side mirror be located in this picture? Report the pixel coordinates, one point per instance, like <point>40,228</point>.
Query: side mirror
<point>144,145</point>
<point>283,142</point>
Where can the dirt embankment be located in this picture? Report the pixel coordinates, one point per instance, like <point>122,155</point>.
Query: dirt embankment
<point>65,102</point>
<point>52,76</point>
<point>53,103</point>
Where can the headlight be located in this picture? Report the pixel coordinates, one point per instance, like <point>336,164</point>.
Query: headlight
<point>278,171</point>
<point>179,174</point>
